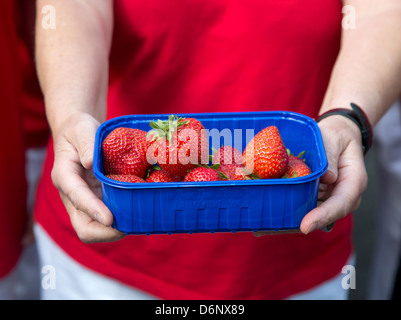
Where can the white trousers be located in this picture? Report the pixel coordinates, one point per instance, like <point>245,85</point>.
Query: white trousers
<point>23,282</point>
<point>64,279</point>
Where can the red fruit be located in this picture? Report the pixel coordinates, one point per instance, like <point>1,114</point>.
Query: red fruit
<point>227,155</point>
<point>124,152</point>
<point>178,145</point>
<point>266,155</point>
<point>202,174</point>
<point>162,176</point>
<point>125,178</point>
<point>296,168</point>
<point>233,171</point>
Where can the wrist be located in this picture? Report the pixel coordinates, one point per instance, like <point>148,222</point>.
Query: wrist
<point>62,108</point>
<point>359,118</point>
<point>72,123</point>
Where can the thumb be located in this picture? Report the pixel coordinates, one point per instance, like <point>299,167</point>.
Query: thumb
<point>84,140</point>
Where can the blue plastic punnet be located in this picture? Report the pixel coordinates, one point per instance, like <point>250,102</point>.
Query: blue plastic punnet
<point>218,206</point>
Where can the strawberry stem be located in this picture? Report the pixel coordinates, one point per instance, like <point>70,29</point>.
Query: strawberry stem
<point>166,128</point>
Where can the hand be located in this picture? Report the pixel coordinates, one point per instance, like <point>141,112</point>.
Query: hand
<point>345,180</point>
<point>73,176</point>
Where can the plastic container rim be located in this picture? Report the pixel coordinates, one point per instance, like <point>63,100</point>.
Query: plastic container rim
<point>154,185</point>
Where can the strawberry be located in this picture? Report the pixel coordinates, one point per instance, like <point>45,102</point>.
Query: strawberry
<point>124,152</point>
<point>227,155</point>
<point>178,145</point>
<point>233,171</point>
<point>162,176</point>
<point>296,168</point>
<point>202,174</point>
<point>125,178</point>
<point>266,155</point>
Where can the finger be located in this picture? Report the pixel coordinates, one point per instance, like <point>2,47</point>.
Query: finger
<point>83,139</point>
<point>333,151</point>
<point>89,230</point>
<point>67,176</point>
<point>330,210</point>
<point>346,194</point>
<point>357,204</point>
<point>324,191</point>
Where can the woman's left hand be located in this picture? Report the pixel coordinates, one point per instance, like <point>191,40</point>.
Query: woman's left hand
<point>345,180</point>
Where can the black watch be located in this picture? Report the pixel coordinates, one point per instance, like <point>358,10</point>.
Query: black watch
<point>359,117</point>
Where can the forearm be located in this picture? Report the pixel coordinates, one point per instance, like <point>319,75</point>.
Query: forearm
<point>72,60</point>
<point>368,69</point>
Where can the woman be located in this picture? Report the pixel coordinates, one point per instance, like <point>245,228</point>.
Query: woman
<point>106,59</point>
<point>12,177</point>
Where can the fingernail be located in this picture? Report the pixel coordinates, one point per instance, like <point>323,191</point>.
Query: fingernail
<point>313,227</point>
<point>329,227</point>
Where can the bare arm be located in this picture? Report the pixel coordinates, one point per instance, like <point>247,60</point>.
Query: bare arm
<point>368,73</point>
<point>72,64</point>
<point>368,67</point>
<point>72,60</point>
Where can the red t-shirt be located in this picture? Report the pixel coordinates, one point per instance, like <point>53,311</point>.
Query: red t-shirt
<point>12,173</point>
<point>209,56</point>
<point>36,128</point>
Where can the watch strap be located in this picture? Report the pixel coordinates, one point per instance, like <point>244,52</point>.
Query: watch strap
<point>358,116</point>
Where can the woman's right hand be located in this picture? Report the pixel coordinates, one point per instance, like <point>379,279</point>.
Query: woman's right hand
<point>73,176</point>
